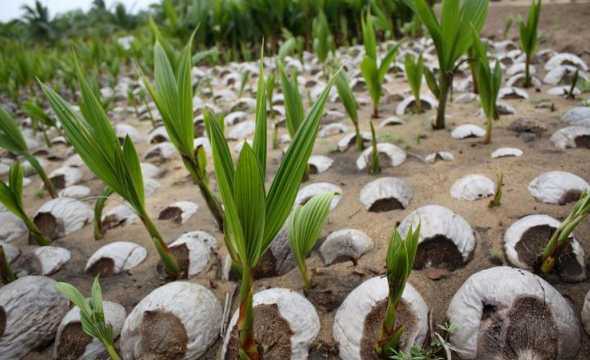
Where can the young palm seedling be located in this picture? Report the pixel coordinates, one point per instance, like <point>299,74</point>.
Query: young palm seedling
<point>39,118</point>
<point>400,261</point>
<point>489,82</point>
<point>11,139</point>
<point>414,72</point>
<point>373,71</point>
<point>254,216</point>
<point>6,273</point>
<point>92,315</point>
<point>529,37</point>
<point>351,106</point>
<point>94,139</point>
<point>561,237</point>
<point>497,200</point>
<point>98,209</point>
<point>304,229</point>
<point>375,167</point>
<point>269,90</point>
<point>323,41</point>
<point>173,95</point>
<point>451,39</point>
<point>11,196</point>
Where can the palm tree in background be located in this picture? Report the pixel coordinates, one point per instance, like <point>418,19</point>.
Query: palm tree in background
<point>37,18</point>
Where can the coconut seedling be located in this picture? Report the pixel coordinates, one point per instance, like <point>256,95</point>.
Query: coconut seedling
<point>375,166</point>
<point>11,196</point>
<point>489,82</point>
<point>399,261</point>
<point>323,41</point>
<point>6,273</point>
<point>269,91</point>
<point>529,37</point>
<point>350,105</point>
<point>451,41</point>
<point>41,121</point>
<point>414,71</point>
<point>92,315</point>
<point>304,229</point>
<point>12,139</point>
<point>94,139</point>
<point>254,216</point>
<point>244,79</point>
<point>561,237</point>
<point>98,209</point>
<point>173,95</point>
<point>372,70</point>
<point>497,199</point>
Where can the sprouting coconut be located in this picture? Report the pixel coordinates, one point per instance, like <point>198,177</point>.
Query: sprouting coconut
<point>319,164</point>
<point>572,137</point>
<point>309,191</point>
<point>50,259</point>
<point>62,216</point>
<point>345,244</point>
<point>179,212</point>
<point>115,257</point>
<point>473,187</point>
<point>408,105</point>
<point>179,320</point>
<point>386,194</point>
<point>390,154</point>
<point>557,187</point>
<point>349,139</point>
<point>30,312</point>
<point>508,313</point>
<point>65,176</point>
<point>195,251</point>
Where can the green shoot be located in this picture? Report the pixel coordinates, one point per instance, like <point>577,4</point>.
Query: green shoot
<point>323,41</point>
<point>254,216</point>
<point>11,139</point>
<point>414,72</point>
<point>375,167</point>
<point>39,118</point>
<point>451,39</point>
<point>507,26</point>
<point>497,200</point>
<point>489,82</point>
<point>92,315</point>
<point>294,110</point>
<point>6,274</point>
<point>98,209</point>
<point>571,92</point>
<point>173,95</point>
<point>269,89</point>
<point>244,79</point>
<point>561,237</point>
<point>529,37</point>
<point>374,72</point>
<point>351,106</point>
<point>304,229</point>
<point>11,196</point>
<point>400,261</point>
<point>94,139</point>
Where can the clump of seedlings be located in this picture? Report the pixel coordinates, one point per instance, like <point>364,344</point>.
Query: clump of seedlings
<point>254,216</point>
<point>400,261</point>
<point>529,38</point>
<point>173,95</point>
<point>372,70</point>
<point>11,196</point>
<point>11,139</point>
<point>489,83</point>
<point>451,40</point>
<point>304,229</point>
<point>94,139</point>
<point>414,69</point>
<point>561,237</point>
<point>92,315</point>
<point>351,106</point>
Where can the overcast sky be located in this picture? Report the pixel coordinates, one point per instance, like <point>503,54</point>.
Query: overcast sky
<point>11,9</point>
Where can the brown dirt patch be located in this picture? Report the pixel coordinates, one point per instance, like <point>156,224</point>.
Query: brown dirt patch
<point>163,336</point>
<point>329,289</point>
<point>171,213</point>
<point>103,267</point>
<point>526,327</point>
<point>374,322</point>
<point>47,224</point>
<point>73,342</point>
<point>438,252</point>
<point>570,196</point>
<point>58,182</point>
<point>2,321</point>
<point>181,254</point>
<point>387,204</point>
<point>271,331</point>
<point>583,141</point>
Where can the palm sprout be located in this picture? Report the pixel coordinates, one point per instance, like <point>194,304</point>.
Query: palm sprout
<point>11,196</point>
<point>293,103</point>
<point>375,167</point>
<point>11,139</point>
<point>451,39</point>
<point>561,237</point>
<point>400,261</point>
<point>529,37</point>
<point>304,229</point>
<point>173,95</point>
<point>497,200</point>
<point>351,106</point>
<point>98,209</point>
<point>254,216</point>
<point>92,315</point>
<point>489,82</point>
<point>269,90</point>
<point>6,273</point>
<point>94,139</point>
<point>323,42</point>
<point>374,71</point>
<point>414,72</point>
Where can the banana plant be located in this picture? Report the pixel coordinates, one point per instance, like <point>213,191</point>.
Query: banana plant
<point>561,237</point>
<point>489,82</point>
<point>529,37</point>
<point>372,70</point>
<point>253,215</point>
<point>350,104</point>
<point>304,229</point>
<point>6,273</point>
<point>414,72</point>
<point>401,254</point>
<point>173,95</point>
<point>11,196</point>
<point>12,139</point>
<point>452,38</point>
<point>94,139</point>
<point>92,315</point>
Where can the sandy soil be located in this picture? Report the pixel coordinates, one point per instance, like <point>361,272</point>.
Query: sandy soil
<point>564,27</point>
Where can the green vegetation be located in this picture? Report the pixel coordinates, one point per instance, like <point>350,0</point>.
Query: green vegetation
<point>529,37</point>
<point>98,209</point>
<point>414,72</point>
<point>350,105</point>
<point>374,166</point>
<point>6,273</point>
<point>497,200</point>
